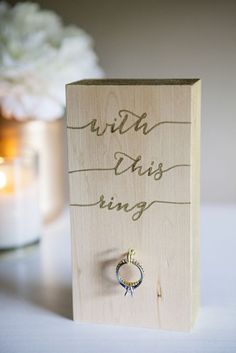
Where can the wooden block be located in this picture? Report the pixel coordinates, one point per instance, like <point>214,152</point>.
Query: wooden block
<point>133,150</point>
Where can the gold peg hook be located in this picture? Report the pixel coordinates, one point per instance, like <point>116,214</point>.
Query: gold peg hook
<point>130,254</point>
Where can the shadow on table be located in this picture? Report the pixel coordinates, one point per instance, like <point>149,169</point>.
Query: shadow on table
<point>25,282</point>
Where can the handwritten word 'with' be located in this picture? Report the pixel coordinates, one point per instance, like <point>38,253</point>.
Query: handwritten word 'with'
<point>125,124</point>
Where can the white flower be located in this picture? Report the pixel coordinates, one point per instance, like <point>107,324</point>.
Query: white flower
<point>38,56</point>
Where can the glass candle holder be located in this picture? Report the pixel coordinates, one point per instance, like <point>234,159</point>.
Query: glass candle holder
<point>20,217</point>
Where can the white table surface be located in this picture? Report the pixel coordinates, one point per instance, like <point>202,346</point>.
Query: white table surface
<point>36,308</point>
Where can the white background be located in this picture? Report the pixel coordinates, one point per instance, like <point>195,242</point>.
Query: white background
<point>169,39</point>
<point>36,308</point>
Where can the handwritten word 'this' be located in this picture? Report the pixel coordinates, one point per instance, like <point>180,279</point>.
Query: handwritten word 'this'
<point>126,163</point>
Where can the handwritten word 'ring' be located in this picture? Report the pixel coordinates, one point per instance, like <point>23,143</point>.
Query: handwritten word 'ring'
<point>129,286</point>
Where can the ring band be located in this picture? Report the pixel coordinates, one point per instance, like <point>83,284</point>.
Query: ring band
<point>129,286</point>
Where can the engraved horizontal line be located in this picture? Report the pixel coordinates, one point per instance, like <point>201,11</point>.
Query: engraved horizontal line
<point>113,168</point>
<point>157,124</point>
<point>155,201</point>
<point>90,170</point>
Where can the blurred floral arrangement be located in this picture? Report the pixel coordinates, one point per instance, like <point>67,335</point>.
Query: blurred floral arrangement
<point>38,56</point>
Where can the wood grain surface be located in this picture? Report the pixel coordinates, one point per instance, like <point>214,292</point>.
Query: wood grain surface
<point>134,150</point>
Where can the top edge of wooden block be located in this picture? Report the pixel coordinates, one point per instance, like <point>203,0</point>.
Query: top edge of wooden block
<point>133,82</point>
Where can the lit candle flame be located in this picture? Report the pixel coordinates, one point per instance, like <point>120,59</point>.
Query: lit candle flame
<point>3,180</point>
